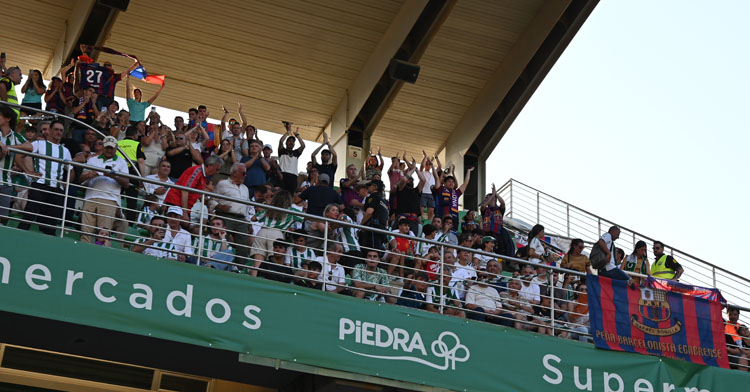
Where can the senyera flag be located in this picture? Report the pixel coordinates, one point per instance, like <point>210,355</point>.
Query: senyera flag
<point>657,322</point>
<point>139,72</point>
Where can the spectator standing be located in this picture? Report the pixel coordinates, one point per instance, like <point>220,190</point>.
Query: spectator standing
<point>154,146</point>
<point>102,201</point>
<point>319,196</point>
<point>135,106</point>
<point>238,144</point>
<point>374,166</point>
<point>33,90</point>
<point>8,138</point>
<point>347,185</point>
<point>182,156</point>
<point>85,111</point>
<point>233,212</point>
<point>329,160</point>
<point>195,178</point>
<point>256,166</point>
<point>228,155</point>
<point>408,197</point>
<point>8,85</point>
<point>448,195</point>
<point>739,353</point>
<point>289,157</point>
<point>47,194</point>
<point>134,151</point>
<point>375,216</point>
<point>427,199</point>
<point>55,98</point>
<point>162,174</point>
<point>273,175</point>
<point>492,213</point>
<point>665,266</point>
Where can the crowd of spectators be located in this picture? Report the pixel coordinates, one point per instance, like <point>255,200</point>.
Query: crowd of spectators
<point>223,232</point>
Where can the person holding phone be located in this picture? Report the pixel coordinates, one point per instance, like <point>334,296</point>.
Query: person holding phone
<point>135,106</point>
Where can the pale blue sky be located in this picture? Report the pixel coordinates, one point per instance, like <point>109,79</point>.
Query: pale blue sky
<point>642,121</point>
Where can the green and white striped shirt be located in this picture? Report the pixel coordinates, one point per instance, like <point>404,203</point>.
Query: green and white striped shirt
<point>349,235</point>
<point>52,172</point>
<point>6,163</point>
<point>282,224</point>
<point>297,259</point>
<point>162,250</point>
<point>211,247</point>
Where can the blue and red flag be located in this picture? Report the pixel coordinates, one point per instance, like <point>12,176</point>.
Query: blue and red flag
<point>140,73</point>
<point>651,321</point>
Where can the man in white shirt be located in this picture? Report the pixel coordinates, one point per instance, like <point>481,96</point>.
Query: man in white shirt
<point>233,212</point>
<point>529,290</point>
<point>333,273</point>
<point>155,245</point>
<point>162,174</point>
<point>178,237</point>
<point>47,193</point>
<point>102,200</point>
<point>463,272</point>
<point>288,157</point>
<point>486,302</point>
<point>607,245</point>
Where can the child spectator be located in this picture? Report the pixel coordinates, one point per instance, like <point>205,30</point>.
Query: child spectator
<point>415,296</point>
<point>299,256</point>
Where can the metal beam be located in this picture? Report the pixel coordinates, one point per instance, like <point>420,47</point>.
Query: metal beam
<point>73,28</point>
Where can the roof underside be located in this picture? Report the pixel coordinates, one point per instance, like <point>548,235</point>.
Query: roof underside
<point>295,60</point>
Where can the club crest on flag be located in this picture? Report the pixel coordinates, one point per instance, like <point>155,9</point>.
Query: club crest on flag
<point>654,306</point>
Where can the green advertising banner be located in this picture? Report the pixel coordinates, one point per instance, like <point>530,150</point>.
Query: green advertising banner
<point>92,285</point>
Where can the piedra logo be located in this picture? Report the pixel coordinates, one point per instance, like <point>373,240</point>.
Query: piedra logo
<point>447,347</point>
<point>654,306</point>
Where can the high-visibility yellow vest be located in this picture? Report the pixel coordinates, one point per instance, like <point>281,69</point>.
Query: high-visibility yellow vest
<point>129,147</point>
<point>12,98</point>
<point>660,270</point>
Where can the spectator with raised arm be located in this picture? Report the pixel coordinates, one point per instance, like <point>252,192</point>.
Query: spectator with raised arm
<point>289,157</point>
<point>33,90</point>
<point>47,193</point>
<point>427,199</point>
<point>408,196</point>
<point>329,160</point>
<point>239,145</point>
<point>102,200</point>
<point>374,166</point>
<point>448,195</point>
<point>136,107</point>
<point>182,156</point>
<point>55,97</point>
<point>256,166</point>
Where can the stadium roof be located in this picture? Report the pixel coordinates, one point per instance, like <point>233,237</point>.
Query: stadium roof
<point>319,62</point>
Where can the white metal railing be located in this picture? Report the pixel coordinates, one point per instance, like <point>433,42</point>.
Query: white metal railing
<point>562,219</point>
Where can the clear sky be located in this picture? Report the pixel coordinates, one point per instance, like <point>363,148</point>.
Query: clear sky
<point>643,121</point>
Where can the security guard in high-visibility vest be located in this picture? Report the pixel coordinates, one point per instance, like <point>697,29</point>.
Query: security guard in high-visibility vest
<point>132,148</point>
<point>665,266</point>
<point>8,88</point>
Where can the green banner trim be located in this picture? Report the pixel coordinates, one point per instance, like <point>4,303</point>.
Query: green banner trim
<point>91,285</point>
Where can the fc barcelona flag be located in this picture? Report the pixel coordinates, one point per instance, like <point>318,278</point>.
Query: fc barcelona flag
<point>651,321</point>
